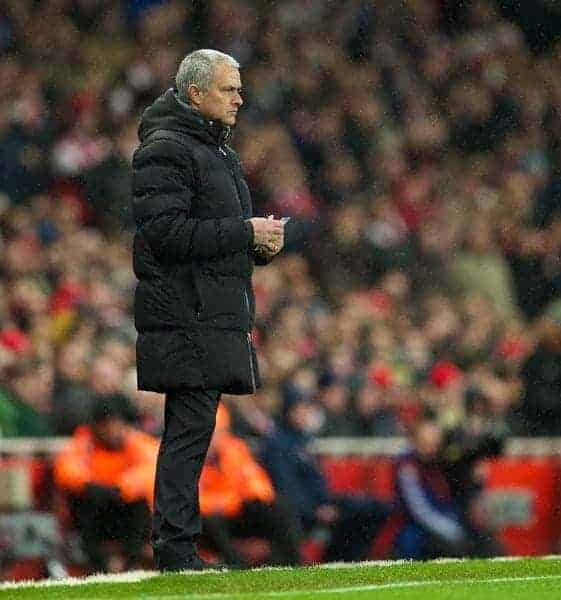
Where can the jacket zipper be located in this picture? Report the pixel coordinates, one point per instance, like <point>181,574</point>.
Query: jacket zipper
<point>251,365</point>
<point>248,339</point>
<point>200,305</point>
<point>233,174</point>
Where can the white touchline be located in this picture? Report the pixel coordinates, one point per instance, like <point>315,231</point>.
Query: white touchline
<point>127,577</point>
<point>356,588</point>
<point>137,576</point>
<point>436,582</point>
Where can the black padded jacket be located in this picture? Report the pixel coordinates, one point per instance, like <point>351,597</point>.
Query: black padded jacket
<point>193,257</point>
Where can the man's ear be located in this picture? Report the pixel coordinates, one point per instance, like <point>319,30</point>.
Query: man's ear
<point>194,94</point>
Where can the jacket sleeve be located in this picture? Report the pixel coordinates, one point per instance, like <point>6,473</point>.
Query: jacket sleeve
<point>422,510</point>
<point>250,478</point>
<point>164,187</point>
<point>260,259</point>
<point>217,496</point>
<point>72,470</point>
<point>137,481</point>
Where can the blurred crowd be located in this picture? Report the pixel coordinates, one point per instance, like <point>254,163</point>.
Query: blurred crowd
<point>416,146</point>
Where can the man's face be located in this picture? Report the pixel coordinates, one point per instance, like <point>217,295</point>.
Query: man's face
<point>306,417</point>
<point>222,100</point>
<point>110,433</point>
<point>428,440</point>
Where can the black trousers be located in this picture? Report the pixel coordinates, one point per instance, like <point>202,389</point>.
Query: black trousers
<point>190,417</point>
<point>99,520</point>
<point>271,521</point>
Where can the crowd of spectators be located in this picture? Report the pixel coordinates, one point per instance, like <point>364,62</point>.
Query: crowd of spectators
<point>417,146</point>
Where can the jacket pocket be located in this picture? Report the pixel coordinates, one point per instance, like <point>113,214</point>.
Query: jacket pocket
<point>223,302</point>
<point>184,282</point>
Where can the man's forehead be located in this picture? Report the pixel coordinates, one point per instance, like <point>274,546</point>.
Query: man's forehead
<point>226,74</point>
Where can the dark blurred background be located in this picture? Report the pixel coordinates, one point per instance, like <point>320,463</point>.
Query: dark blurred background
<point>417,146</point>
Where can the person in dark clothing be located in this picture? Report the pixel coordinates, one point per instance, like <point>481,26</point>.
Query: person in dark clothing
<point>351,522</point>
<point>195,247</point>
<point>72,399</point>
<point>335,400</point>
<point>434,522</point>
<point>477,437</point>
<point>107,185</point>
<point>539,412</point>
<point>23,151</point>
<point>75,395</point>
<point>375,415</point>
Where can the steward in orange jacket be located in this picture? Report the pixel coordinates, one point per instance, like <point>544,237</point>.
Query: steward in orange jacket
<point>130,469</point>
<point>231,476</point>
<point>108,469</point>
<point>237,499</point>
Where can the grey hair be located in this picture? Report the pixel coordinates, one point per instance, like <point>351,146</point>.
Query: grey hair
<point>198,68</point>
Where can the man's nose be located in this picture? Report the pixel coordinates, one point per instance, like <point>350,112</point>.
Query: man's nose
<point>238,100</point>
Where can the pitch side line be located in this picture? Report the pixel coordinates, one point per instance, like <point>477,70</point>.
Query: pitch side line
<point>357,588</point>
<point>139,575</point>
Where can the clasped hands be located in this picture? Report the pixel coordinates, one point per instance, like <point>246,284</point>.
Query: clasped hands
<point>268,235</point>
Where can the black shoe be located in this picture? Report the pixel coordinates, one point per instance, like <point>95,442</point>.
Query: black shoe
<point>198,564</point>
<point>195,563</point>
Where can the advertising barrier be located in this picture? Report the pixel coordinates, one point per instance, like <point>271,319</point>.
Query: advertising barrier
<point>521,491</point>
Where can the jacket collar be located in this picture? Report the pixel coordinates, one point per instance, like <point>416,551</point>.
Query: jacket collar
<point>219,132</point>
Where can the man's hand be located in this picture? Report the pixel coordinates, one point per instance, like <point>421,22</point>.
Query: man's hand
<point>268,234</point>
<point>267,252</point>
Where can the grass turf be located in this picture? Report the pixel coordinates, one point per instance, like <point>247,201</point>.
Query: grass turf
<point>537,579</point>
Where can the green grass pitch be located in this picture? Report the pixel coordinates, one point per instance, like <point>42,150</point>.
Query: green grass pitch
<point>535,579</point>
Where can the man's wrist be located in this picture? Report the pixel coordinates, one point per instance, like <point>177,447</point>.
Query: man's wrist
<point>264,249</point>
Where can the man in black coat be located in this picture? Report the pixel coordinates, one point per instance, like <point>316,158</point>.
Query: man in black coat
<point>194,250</point>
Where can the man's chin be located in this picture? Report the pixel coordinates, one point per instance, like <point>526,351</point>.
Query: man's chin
<point>230,120</point>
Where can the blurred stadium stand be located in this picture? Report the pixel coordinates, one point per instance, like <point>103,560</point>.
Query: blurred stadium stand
<point>417,148</point>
